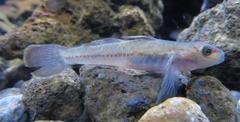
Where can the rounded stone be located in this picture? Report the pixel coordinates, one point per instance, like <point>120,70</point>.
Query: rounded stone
<point>176,109</point>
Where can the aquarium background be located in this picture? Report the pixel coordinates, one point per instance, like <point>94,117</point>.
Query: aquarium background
<point>86,93</point>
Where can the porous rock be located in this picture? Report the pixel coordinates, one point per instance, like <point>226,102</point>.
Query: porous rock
<point>5,24</point>
<point>57,97</point>
<point>215,99</point>
<point>19,10</point>
<point>113,95</point>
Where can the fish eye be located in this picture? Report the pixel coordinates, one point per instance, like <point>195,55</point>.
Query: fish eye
<point>206,50</point>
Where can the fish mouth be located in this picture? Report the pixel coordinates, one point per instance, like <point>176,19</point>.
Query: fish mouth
<point>221,57</point>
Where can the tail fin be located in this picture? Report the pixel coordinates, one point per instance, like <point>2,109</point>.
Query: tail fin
<point>45,57</point>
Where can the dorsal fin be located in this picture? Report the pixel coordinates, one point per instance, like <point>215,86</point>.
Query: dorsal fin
<point>103,41</point>
<point>120,39</point>
<point>145,38</point>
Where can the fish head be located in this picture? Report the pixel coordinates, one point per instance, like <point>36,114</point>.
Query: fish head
<point>206,55</point>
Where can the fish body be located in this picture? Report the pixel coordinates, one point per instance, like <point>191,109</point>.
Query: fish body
<point>135,52</point>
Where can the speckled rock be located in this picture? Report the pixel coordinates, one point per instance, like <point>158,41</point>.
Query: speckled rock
<point>207,4</point>
<point>19,10</point>
<point>3,79</point>
<point>113,95</point>
<point>15,71</point>
<point>11,72</point>
<point>215,100</point>
<point>48,121</point>
<point>5,24</point>
<point>12,108</point>
<point>71,22</point>
<point>55,98</point>
<point>131,19</point>
<point>220,26</point>
<point>176,109</point>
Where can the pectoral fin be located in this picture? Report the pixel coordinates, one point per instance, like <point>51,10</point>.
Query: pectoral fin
<point>170,86</point>
<point>171,81</point>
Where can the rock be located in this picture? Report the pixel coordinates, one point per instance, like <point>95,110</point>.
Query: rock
<point>19,10</point>
<point>131,19</point>
<point>112,95</point>
<point>71,22</point>
<point>5,24</point>
<point>214,98</point>
<point>19,84</point>
<point>12,71</point>
<point>207,4</point>
<point>152,9</point>
<point>12,108</point>
<point>175,109</point>
<point>3,79</point>
<point>220,26</point>
<point>48,121</point>
<point>55,98</point>
<point>235,94</point>
<point>15,71</point>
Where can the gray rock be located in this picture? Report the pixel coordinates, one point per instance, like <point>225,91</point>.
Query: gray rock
<point>12,71</point>
<point>112,95</point>
<point>236,94</point>
<point>12,108</point>
<point>214,98</point>
<point>48,121</point>
<point>220,26</point>
<point>5,24</point>
<point>55,98</point>
<point>3,79</point>
<point>207,4</point>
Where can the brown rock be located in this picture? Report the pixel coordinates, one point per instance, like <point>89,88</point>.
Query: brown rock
<point>175,109</point>
<point>214,98</point>
<point>71,22</point>
<point>55,98</point>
